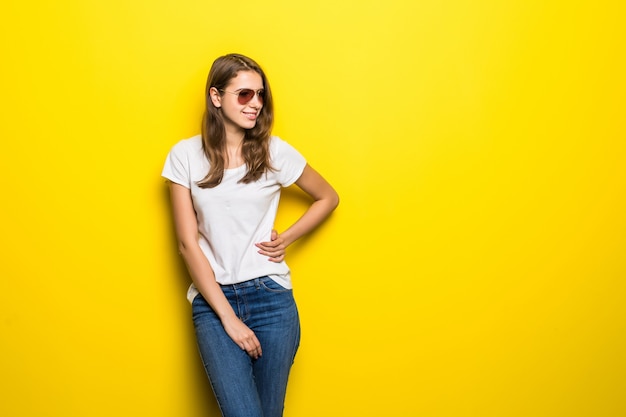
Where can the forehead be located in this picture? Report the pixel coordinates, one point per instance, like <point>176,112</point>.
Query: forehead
<point>246,79</point>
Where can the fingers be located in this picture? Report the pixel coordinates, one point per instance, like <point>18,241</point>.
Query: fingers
<point>276,241</point>
<point>252,347</point>
<point>273,254</point>
<point>250,344</point>
<point>274,249</point>
<point>243,336</point>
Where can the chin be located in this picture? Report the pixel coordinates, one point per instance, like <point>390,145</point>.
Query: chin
<point>248,126</point>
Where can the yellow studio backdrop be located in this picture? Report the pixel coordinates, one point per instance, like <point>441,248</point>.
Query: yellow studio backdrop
<point>475,266</point>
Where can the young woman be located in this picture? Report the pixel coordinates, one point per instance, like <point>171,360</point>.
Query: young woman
<point>225,185</point>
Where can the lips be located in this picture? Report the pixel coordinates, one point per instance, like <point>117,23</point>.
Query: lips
<point>250,116</point>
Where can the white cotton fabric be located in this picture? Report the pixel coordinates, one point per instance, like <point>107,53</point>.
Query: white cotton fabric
<point>233,216</point>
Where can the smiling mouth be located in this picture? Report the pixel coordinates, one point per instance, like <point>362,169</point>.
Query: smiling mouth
<point>251,116</point>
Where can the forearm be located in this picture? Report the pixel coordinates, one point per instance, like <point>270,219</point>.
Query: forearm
<point>325,200</point>
<point>203,278</point>
<point>313,217</point>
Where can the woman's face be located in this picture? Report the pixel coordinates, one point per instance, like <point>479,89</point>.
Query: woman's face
<point>237,116</point>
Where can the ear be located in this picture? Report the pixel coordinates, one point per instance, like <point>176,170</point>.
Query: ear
<point>215,96</point>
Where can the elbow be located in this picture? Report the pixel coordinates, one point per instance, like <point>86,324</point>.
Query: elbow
<point>183,248</point>
<point>333,201</point>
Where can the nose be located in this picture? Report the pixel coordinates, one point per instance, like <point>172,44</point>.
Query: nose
<point>256,102</point>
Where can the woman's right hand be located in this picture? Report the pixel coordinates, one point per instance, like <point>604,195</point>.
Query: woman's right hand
<point>243,336</point>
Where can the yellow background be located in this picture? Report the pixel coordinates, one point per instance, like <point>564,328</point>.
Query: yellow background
<point>475,266</point>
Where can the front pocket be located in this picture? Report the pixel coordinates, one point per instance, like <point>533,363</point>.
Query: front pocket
<point>272,286</point>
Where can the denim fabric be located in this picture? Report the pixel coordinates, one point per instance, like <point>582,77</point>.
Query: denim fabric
<point>245,387</point>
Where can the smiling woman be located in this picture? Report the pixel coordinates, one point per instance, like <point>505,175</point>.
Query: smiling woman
<point>225,187</point>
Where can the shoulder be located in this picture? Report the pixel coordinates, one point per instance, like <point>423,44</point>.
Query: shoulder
<point>275,143</point>
<point>183,161</point>
<point>279,147</point>
<point>191,145</point>
<point>286,160</point>
<point>189,150</point>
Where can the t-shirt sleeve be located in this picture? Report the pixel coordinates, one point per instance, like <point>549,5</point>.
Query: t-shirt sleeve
<point>176,168</point>
<point>287,161</point>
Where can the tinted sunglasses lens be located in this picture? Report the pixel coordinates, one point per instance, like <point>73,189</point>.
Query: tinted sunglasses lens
<point>245,95</point>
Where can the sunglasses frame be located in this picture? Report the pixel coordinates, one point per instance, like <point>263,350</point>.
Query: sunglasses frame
<point>259,93</point>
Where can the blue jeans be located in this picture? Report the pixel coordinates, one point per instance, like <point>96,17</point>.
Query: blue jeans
<point>245,387</point>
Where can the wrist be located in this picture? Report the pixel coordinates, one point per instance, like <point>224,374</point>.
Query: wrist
<point>287,237</point>
<point>228,317</point>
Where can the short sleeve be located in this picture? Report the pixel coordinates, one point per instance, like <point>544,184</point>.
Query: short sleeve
<point>177,168</point>
<point>287,161</point>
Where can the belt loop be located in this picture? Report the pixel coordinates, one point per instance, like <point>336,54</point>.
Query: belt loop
<point>257,283</point>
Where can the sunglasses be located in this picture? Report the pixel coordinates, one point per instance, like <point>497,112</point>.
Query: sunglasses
<point>246,94</point>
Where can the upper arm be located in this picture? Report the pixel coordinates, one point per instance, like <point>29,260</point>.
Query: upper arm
<point>312,183</point>
<point>185,220</point>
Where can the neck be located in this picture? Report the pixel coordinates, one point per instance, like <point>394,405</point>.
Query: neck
<point>234,140</point>
<point>233,150</point>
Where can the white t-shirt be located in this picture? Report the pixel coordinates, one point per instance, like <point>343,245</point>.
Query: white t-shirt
<point>233,216</point>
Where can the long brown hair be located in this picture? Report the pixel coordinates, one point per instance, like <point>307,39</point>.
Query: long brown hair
<point>255,148</point>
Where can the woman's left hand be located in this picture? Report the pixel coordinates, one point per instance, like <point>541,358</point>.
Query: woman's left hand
<point>275,249</point>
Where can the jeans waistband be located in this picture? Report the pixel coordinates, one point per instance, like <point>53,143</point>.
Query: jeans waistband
<point>254,282</point>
